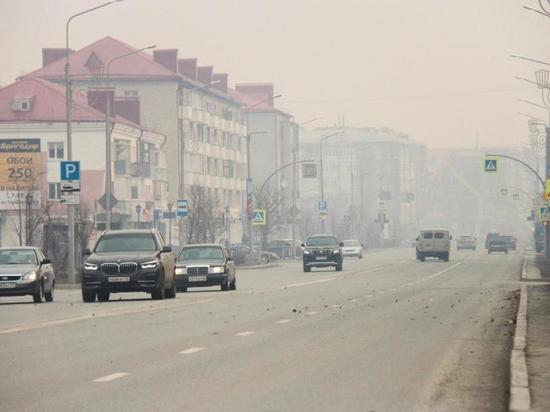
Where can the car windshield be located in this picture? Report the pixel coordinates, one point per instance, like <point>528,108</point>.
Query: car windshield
<point>322,241</point>
<point>126,243</point>
<point>466,238</point>
<point>351,243</point>
<point>200,253</point>
<point>428,235</point>
<point>17,257</point>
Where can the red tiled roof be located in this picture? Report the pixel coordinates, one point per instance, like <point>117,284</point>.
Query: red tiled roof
<point>100,53</point>
<point>47,104</point>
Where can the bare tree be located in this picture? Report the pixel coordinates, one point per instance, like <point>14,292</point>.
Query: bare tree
<point>205,221</point>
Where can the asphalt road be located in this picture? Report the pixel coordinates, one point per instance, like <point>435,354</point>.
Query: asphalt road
<point>386,334</point>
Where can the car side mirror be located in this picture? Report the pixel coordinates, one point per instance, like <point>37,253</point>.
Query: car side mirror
<point>302,244</point>
<point>341,244</point>
<point>166,249</point>
<point>45,262</point>
<point>86,252</point>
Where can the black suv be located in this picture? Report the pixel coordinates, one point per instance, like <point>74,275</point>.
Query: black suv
<point>322,251</point>
<point>129,261</point>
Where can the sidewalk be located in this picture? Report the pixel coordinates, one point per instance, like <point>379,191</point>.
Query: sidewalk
<point>536,274</point>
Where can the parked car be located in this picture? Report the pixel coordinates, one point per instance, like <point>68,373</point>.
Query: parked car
<point>466,242</point>
<point>352,248</point>
<point>283,248</point>
<point>26,271</point>
<point>511,241</point>
<point>498,245</point>
<point>433,243</point>
<point>244,255</point>
<point>129,261</point>
<point>322,251</point>
<point>205,265</point>
<point>490,237</point>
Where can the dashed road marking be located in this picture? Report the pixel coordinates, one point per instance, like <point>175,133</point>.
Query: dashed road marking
<point>190,351</point>
<point>335,306</point>
<point>280,321</point>
<point>369,296</point>
<point>381,292</point>
<point>111,377</point>
<point>313,312</point>
<point>353,300</point>
<point>242,334</point>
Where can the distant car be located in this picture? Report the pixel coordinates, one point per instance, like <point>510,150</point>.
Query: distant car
<point>511,241</point>
<point>205,265</point>
<point>129,261</point>
<point>433,243</point>
<point>26,271</point>
<point>498,245</point>
<point>322,251</point>
<point>244,255</point>
<point>466,242</point>
<point>352,248</point>
<point>491,236</point>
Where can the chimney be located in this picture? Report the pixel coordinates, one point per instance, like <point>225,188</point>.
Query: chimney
<point>167,58</point>
<point>204,74</point>
<point>222,85</point>
<point>128,107</point>
<point>188,67</point>
<point>258,90</point>
<point>50,55</point>
<point>98,99</point>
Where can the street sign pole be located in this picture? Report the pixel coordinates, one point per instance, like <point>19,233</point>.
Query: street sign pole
<point>70,170</point>
<point>547,176</point>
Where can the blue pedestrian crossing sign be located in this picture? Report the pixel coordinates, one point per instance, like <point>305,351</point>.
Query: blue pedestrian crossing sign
<point>258,217</point>
<point>544,213</point>
<point>490,165</point>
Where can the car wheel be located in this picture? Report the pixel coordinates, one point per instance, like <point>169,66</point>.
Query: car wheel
<point>307,268</point>
<point>49,295</point>
<point>171,293</point>
<point>339,267</point>
<point>103,295</point>
<point>233,284</point>
<point>505,252</point>
<point>360,256</point>
<point>422,258</point>
<point>38,297</point>
<point>158,293</point>
<point>182,289</point>
<point>226,285</point>
<point>446,257</point>
<point>264,259</point>
<point>88,296</point>
<point>489,252</point>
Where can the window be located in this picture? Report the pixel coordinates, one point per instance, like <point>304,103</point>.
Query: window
<point>428,235</point>
<point>134,190</point>
<point>56,150</point>
<point>131,93</point>
<point>54,191</point>
<point>228,168</point>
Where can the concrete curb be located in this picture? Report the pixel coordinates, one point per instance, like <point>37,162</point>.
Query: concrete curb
<point>530,272</point>
<point>520,396</point>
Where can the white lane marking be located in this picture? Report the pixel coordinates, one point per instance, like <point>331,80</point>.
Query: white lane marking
<point>369,296</point>
<point>409,284</point>
<point>313,282</point>
<point>111,377</point>
<point>381,292</point>
<point>281,321</point>
<point>313,312</point>
<point>335,306</point>
<point>97,316</point>
<point>444,270</point>
<point>393,289</point>
<point>353,300</point>
<point>247,333</point>
<point>402,286</point>
<point>190,351</point>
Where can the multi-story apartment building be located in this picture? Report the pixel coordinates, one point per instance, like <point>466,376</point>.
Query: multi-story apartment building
<point>189,104</point>
<point>371,181</point>
<point>32,145</point>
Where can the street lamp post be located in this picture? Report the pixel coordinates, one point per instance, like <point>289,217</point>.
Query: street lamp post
<point>170,205</point>
<point>28,203</point>
<point>248,169</point>
<point>323,139</point>
<point>108,130</point>
<point>68,107</point>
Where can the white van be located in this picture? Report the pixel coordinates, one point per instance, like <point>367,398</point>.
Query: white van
<point>433,243</point>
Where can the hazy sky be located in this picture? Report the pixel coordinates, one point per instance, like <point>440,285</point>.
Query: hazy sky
<point>436,69</point>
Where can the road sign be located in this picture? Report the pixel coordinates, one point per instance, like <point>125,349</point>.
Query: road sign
<point>70,170</point>
<point>103,201</point>
<point>182,208</point>
<point>323,205</point>
<point>169,215</point>
<point>69,186</point>
<point>516,196</point>
<point>544,213</point>
<point>70,199</point>
<point>258,217</point>
<point>504,191</point>
<point>382,205</point>
<point>490,165</point>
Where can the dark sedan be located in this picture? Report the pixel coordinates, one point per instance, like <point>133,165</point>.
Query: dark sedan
<point>205,265</point>
<point>26,271</point>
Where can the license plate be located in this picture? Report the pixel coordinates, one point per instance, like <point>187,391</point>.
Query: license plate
<point>321,258</point>
<point>197,278</point>
<point>7,285</point>
<point>119,279</point>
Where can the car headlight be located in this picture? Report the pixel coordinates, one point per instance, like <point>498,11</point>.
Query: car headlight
<point>217,269</point>
<point>306,252</point>
<point>336,251</point>
<point>181,271</point>
<point>152,264</point>
<point>90,266</point>
<point>29,276</point>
